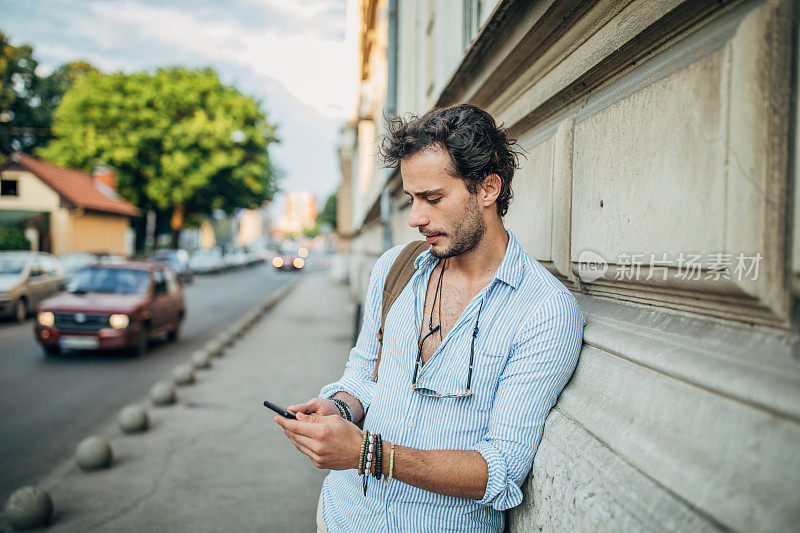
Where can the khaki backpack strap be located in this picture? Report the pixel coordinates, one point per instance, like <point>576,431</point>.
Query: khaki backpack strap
<point>400,273</point>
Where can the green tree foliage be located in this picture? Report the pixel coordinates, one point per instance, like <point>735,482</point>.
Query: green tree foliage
<point>328,213</point>
<point>27,100</point>
<point>13,239</point>
<point>181,142</point>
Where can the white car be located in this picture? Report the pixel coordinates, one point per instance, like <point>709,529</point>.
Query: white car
<point>27,278</point>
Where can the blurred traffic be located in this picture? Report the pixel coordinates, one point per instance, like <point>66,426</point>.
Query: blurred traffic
<point>104,301</point>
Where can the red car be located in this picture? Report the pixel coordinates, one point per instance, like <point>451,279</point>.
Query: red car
<point>112,307</point>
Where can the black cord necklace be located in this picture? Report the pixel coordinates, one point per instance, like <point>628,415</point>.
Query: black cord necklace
<point>436,293</point>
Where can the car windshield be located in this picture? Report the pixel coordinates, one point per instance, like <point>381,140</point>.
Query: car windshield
<point>111,280</point>
<point>12,265</point>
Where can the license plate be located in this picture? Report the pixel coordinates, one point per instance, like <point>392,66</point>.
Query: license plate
<point>79,343</point>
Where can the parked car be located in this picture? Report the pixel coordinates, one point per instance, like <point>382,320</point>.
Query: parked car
<point>206,261</point>
<point>113,307</point>
<point>235,257</point>
<point>178,260</point>
<point>287,260</point>
<point>73,262</point>
<point>27,278</point>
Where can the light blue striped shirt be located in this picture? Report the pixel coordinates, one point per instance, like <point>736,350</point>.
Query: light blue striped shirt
<point>530,335</point>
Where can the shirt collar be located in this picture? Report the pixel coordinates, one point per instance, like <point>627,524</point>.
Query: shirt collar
<point>509,271</point>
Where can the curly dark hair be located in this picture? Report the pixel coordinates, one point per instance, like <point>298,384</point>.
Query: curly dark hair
<point>477,146</point>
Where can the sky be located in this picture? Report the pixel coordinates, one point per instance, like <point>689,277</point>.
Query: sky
<point>294,56</point>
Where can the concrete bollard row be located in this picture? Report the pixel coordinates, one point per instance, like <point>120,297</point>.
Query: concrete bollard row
<point>31,507</point>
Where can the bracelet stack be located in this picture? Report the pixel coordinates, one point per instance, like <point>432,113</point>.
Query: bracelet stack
<point>343,408</point>
<point>371,460</point>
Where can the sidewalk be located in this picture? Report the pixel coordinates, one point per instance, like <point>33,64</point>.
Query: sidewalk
<point>216,461</point>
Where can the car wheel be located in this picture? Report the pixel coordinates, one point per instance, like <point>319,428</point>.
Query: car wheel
<point>142,342</point>
<point>21,310</point>
<point>175,334</point>
<point>51,351</point>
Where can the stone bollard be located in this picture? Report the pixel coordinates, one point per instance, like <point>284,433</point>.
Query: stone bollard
<point>133,419</point>
<point>183,375</point>
<point>93,453</point>
<point>215,348</point>
<point>163,393</point>
<point>230,335</point>
<point>28,507</point>
<point>227,339</point>
<point>201,359</point>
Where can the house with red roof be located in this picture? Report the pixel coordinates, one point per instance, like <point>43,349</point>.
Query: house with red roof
<point>70,210</point>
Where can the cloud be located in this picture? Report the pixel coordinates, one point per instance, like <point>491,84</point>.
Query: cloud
<point>316,70</point>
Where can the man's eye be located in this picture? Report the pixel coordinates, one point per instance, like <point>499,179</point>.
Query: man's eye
<point>434,200</point>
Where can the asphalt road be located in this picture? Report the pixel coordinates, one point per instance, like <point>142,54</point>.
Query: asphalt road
<point>47,406</point>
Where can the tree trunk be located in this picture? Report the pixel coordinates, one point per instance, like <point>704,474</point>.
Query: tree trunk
<point>176,223</point>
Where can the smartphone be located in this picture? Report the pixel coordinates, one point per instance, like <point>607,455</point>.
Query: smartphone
<point>280,410</point>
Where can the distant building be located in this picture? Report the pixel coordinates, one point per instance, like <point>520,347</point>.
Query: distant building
<point>301,213</point>
<point>64,210</point>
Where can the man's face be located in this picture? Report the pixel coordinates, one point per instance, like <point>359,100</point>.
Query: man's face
<point>442,208</point>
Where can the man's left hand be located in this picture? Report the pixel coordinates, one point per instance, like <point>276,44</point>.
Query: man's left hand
<point>329,441</point>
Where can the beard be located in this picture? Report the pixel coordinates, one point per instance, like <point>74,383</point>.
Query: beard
<point>466,233</point>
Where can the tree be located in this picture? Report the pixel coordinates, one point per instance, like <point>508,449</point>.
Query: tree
<point>182,143</point>
<point>328,213</point>
<point>27,100</point>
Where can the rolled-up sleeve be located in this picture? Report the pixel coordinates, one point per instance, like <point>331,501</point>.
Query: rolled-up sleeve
<point>543,358</point>
<point>357,377</point>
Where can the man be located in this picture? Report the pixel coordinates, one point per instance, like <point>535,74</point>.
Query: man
<point>464,438</point>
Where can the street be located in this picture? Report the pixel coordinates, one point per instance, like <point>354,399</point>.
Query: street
<point>49,405</point>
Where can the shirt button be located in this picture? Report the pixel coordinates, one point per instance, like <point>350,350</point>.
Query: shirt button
<point>390,509</point>
<point>411,423</point>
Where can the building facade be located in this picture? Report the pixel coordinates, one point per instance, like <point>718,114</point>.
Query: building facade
<point>659,185</point>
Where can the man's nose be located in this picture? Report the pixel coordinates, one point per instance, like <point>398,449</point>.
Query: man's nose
<point>417,217</point>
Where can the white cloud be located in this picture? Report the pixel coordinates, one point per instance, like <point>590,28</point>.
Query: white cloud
<point>315,70</point>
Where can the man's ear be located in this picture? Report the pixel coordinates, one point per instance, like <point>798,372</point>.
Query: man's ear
<point>491,186</point>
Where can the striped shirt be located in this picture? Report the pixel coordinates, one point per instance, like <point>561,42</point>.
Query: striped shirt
<point>530,335</point>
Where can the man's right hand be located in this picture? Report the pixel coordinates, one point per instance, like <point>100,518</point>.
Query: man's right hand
<point>319,406</point>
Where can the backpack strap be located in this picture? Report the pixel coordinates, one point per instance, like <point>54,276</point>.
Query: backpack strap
<point>400,273</point>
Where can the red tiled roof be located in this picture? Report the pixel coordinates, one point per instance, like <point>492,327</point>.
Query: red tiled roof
<point>76,186</point>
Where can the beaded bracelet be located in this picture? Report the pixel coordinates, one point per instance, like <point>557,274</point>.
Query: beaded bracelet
<point>378,457</point>
<point>368,465</point>
<point>388,479</point>
<point>363,454</point>
<point>343,408</point>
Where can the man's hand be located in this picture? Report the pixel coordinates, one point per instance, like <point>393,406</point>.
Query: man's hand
<point>317,406</point>
<point>329,441</point>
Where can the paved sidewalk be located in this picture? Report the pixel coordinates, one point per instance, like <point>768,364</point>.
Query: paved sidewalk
<point>216,461</point>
